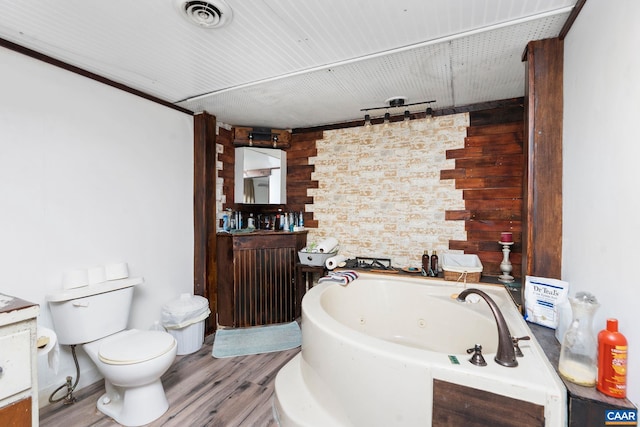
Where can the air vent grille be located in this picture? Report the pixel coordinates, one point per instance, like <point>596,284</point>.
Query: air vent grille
<point>206,14</point>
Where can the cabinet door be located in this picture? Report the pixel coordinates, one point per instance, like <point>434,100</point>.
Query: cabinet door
<point>15,363</point>
<point>264,286</point>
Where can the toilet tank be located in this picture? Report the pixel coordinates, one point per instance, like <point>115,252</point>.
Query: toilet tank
<point>92,312</point>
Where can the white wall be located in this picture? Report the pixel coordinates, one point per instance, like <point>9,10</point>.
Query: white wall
<point>90,175</point>
<point>601,198</point>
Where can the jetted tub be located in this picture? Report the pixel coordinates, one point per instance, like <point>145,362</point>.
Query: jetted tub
<point>372,350</point>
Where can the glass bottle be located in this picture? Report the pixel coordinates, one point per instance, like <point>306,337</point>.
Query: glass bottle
<point>579,352</point>
<point>433,271</point>
<point>425,263</point>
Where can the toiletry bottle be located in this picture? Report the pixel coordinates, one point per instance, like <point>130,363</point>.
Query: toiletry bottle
<point>225,222</point>
<point>276,222</point>
<point>301,223</point>
<point>612,361</point>
<point>434,264</point>
<point>292,221</point>
<point>425,263</point>
<point>232,220</point>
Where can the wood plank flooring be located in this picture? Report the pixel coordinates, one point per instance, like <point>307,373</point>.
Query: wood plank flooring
<point>202,391</point>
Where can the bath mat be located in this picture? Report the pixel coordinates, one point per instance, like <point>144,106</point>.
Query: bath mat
<point>256,340</point>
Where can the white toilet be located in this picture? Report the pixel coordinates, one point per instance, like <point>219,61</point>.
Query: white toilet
<point>131,361</point>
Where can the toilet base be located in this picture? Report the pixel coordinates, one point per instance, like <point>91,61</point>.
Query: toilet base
<point>134,406</point>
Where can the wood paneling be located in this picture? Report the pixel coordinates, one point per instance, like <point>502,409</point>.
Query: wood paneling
<point>542,231</point>
<point>204,212</point>
<point>456,405</point>
<point>302,146</point>
<point>489,170</point>
<point>17,414</point>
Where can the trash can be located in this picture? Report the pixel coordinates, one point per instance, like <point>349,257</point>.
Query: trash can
<point>184,320</point>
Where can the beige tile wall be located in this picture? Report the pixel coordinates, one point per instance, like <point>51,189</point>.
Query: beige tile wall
<point>380,192</point>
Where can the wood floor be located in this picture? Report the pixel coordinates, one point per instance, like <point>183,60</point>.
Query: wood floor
<point>202,391</point>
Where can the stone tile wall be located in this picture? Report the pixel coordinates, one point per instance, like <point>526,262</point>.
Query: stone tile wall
<point>380,192</point>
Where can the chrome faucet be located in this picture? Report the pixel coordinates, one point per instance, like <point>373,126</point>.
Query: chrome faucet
<point>506,355</point>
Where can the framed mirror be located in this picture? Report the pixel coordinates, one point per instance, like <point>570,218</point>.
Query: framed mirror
<point>260,176</point>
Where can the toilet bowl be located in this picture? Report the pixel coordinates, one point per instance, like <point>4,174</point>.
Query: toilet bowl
<point>132,362</point>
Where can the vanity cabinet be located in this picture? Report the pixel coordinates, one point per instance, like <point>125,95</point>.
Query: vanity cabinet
<point>256,277</point>
<point>18,362</point>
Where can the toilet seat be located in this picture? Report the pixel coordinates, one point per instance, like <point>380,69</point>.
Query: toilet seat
<point>134,346</point>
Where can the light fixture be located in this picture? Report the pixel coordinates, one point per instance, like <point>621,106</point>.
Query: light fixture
<point>367,121</point>
<point>407,115</point>
<point>429,112</point>
<point>397,102</point>
<point>275,141</point>
<point>387,119</point>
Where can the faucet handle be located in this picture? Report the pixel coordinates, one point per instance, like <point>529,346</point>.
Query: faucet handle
<point>477,358</point>
<point>516,347</point>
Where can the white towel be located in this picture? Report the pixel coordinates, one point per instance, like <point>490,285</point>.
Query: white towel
<point>340,277</point>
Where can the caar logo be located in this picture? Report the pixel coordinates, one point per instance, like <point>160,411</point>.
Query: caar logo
<point>621,417</point>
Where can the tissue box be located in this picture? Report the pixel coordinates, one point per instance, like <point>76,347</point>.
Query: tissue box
<point>316,259</point>
<point>455,266</point>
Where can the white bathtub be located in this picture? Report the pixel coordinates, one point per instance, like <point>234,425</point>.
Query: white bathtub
<point>371,351</point>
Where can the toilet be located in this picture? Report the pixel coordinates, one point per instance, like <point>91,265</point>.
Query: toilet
<point>131,361</point>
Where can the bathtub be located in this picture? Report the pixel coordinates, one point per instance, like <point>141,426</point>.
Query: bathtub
<point>373,350</point>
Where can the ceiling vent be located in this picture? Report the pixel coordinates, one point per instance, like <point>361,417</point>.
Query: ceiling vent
<point>205,14</point>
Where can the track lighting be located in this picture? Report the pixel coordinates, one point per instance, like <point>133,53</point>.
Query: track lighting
<point>387,119</point>
<point>407,115</point>
<point>429,112</point>
<point>367,120</point>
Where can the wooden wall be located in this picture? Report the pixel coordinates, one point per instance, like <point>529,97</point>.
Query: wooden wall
<point>299,171</point>
<point>303,146</point>
<point>489,170</point>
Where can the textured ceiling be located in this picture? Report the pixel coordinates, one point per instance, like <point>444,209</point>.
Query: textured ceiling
<point>295,63</point>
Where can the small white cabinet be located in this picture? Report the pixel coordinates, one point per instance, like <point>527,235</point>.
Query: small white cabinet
<point>18,363</point>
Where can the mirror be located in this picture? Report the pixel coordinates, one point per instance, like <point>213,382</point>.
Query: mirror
<point>260,176</point>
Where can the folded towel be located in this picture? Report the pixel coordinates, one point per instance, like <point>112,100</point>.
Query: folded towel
<point>341,277</point>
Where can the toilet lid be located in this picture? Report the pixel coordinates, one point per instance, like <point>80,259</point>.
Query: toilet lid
<point>135,347</point>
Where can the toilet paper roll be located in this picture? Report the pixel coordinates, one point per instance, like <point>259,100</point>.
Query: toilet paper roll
<point>116,271</point>
<point>335,261</point>
<point>96,275</point>
<point>51,349</point>
<point>327,245</point>
<point>75,279</point>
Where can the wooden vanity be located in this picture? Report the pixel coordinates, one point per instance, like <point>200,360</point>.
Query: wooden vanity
<point>256,277</point>
<point>18,362</point>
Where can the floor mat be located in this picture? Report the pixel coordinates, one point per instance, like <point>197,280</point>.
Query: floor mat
<point>256,340</point>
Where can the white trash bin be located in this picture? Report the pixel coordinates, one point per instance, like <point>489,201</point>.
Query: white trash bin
<point>184,320</point>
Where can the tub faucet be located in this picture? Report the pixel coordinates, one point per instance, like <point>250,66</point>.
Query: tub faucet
<point>506,355</point>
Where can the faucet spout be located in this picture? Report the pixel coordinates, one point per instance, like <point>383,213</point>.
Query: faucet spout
<point>506,354</point>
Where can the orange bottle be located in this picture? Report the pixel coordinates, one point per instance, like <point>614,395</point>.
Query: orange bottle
<point>612,361</point>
